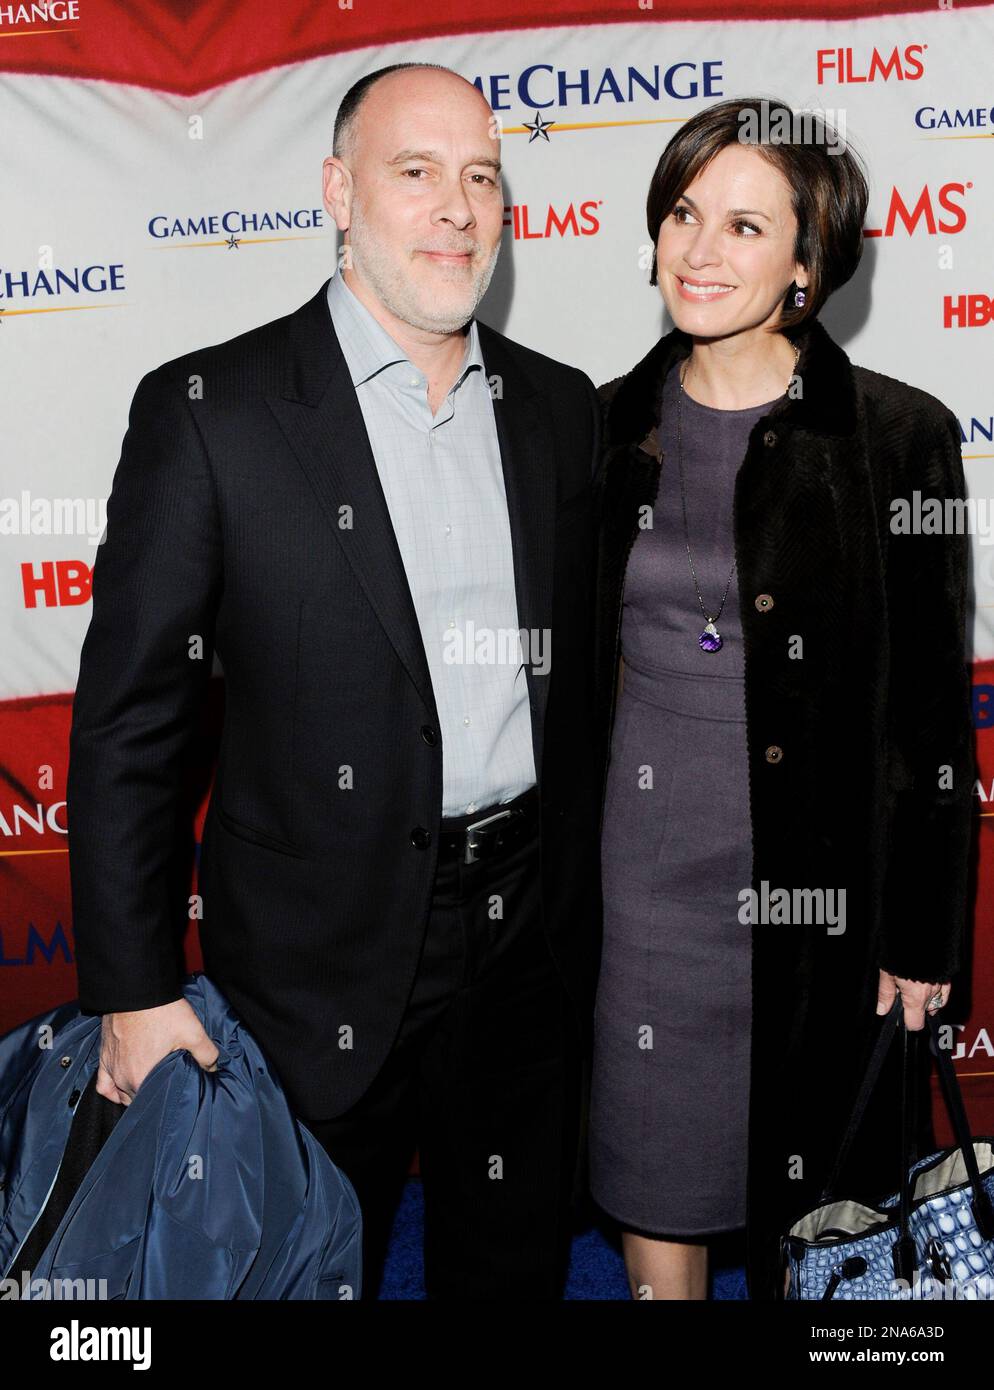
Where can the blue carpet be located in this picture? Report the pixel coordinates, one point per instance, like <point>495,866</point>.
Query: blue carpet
<point>597,1270</point>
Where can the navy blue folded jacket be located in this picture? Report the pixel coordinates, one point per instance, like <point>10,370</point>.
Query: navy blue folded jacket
<point>205,1187</point>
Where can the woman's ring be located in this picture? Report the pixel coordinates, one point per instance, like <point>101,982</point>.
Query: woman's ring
<point>936,1001</point>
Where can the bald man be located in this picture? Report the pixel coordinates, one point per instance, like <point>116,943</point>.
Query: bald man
<point>378,511</point>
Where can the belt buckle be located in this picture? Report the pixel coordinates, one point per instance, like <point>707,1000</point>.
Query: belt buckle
<point>470,857</point>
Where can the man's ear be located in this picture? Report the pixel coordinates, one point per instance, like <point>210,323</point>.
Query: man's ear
<point>337,190</point>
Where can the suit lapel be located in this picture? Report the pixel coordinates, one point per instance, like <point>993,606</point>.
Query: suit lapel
<point>319,413</point>
<point>527,456</point>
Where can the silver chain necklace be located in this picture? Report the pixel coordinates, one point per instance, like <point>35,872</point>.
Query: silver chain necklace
<point>710,639</point>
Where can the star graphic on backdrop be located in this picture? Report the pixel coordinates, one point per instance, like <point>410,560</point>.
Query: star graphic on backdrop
<point>233,242</point>
<point>538,127</point>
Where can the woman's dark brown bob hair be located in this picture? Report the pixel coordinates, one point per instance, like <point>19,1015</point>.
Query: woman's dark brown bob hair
<point>828,190</point>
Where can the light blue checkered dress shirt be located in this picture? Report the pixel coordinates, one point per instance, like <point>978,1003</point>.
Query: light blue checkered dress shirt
<point>444,486</point>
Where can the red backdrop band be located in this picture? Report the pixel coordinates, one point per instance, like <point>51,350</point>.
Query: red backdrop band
<point>186,47</point>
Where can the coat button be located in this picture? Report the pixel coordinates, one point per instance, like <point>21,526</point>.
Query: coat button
<point>774,753</point>
<point>420,837</point>
<point>429,735</point>
<point>769,439</point>
<point>764,602</point>
<point>65,1062</point>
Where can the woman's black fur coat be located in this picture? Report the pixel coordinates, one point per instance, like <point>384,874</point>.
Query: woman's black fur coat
<point>871,789</point>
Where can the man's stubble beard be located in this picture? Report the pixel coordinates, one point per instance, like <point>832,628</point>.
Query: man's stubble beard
<point>397,292</point>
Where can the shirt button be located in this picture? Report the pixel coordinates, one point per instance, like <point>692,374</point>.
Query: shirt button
<point>465,719</point>
<point>414,381</point>
<point>764,602</point>
<point>769,439</point>
<point>448,530</point>
<point>774,753</point>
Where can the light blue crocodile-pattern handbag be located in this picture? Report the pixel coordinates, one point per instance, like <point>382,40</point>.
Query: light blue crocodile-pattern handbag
<point>933,1239</point>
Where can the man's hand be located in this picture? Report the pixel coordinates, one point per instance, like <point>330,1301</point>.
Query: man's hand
<point>132,1043</point>
<point>915,996</point>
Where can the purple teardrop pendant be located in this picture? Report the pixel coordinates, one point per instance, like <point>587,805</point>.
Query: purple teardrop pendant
<point>710,638</point>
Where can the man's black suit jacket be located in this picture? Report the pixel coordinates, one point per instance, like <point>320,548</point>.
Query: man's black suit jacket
<point>246,514</point>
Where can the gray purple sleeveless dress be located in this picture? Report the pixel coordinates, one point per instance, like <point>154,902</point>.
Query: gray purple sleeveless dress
<point>668,1121</point>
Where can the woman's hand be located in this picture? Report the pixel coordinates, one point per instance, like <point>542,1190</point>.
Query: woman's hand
<point>915,996</point>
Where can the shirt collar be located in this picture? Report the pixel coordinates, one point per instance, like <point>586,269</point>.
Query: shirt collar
<point>366,345</point>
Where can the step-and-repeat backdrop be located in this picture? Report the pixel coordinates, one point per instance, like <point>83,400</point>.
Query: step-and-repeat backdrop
<point>161,189</point>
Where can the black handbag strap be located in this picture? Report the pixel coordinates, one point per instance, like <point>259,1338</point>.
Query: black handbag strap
<point>904,1248</point>
<point>884,1037</point>
<point>983,1209</point>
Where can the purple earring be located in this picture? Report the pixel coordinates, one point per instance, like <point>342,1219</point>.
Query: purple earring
<point>799,298</point>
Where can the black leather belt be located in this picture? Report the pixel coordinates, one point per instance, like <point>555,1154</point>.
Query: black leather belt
<point>490,831</point>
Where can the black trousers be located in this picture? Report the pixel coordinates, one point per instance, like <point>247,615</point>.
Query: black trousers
<point>485,1078</point>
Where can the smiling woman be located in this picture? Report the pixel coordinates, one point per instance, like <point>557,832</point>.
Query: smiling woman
<point>807,195</point>
<point>794,676</point>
